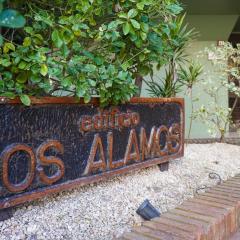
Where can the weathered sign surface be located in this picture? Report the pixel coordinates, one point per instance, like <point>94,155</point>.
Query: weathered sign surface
<point>57,143</point>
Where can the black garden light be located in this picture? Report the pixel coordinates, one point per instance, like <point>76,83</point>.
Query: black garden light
<point>147,211</point>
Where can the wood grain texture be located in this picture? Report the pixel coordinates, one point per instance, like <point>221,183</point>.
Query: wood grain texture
<point>60,152</point>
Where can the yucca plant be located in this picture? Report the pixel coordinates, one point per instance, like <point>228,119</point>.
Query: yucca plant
<point>164,88</point>
<point>179,35</point>
<point>189,76</point>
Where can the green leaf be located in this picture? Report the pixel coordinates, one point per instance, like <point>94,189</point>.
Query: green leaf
<point>133,37</point>
<point>123,15</point>
<point>8,95</point>
<point>92,82</point>
<point>85,6</point>
<point>22,65</point>
<point>25,100</point>
<point>5,62</point>
<point>39,37</point>
<point>145,18</point>
<point>67,36</point>
<point>143,36</point>
<point>56,39</point>
<point>139,43</point>
<point>43,17</point>
<point>141,57</point>
<point>79,26</point>
<point>8,46</point>
<point>154,38</point>
<point>140,5</point>
<point>44,69</point>
<point>126,28</point>
<point>98,60</point>
<point>166,30</point>
<point>87,98</point>
<point>144,27</point>
<point>125,66</point>
<point>108,84</point>
<point>27,42</point>
<point>119,44</point>
<point>135,23</point>
<point>11,19</point>
<point>65,50</point>
<point>144,70</point>
<point>132,13</point>
<point>35,78</point>
<point>113,25</point>
<point>66,82</point>
<point>22,77</point>
<point>29,30</point>
<point>88,54</point>
<point>90,68</point>
<point>175,8</point>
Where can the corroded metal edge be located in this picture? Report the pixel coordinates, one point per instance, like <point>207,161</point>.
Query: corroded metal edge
<point>45,191</point>
<point>94,100</point>
<point>27,197</point>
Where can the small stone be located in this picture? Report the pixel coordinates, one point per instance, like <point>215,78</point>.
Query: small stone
<point>31,229</point>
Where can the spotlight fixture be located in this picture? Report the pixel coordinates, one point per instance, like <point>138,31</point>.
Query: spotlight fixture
<point>147,211</point>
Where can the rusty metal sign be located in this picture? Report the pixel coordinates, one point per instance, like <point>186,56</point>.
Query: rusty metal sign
<point>57,143</point>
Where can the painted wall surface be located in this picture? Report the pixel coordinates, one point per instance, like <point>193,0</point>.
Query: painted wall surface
<point>212,27</point>
<point>212,7</point>
<point>199,130</point>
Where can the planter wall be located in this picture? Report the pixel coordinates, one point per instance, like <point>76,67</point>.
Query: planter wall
<point>59,143</point>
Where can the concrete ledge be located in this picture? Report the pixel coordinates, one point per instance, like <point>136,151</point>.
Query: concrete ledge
<point>213,215</point>
<point>233,141</point>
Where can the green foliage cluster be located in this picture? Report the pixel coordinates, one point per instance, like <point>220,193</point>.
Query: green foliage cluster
<point>165,87</point>
<point>188,77</point>
<point>171,84</point>
<point>218,118</point>
<point>85,48</point>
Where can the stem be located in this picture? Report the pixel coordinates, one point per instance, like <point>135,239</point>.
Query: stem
<point>135,55</point>
<point>138,82</point>
<point>191,118</point>
<point>174,75</point>
<point>222,136</point>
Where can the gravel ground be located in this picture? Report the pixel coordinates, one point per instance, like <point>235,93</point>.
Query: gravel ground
<point>104,210</point>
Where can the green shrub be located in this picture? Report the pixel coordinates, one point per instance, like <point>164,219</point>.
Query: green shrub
<point>85,48</point>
